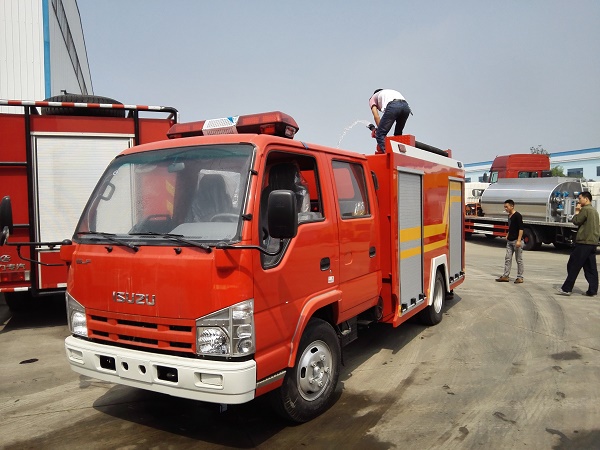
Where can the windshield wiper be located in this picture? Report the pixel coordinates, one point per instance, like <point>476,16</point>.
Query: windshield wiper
<point>175,237</point>
<point>110,237</point>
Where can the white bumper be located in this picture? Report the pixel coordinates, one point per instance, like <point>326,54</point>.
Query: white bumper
<point>226,382</point>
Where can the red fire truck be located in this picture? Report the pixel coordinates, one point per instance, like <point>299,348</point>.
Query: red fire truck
<point>52,154</point>
<point>233,261</point>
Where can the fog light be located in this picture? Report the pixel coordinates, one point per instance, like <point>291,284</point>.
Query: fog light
<point>245,346</point>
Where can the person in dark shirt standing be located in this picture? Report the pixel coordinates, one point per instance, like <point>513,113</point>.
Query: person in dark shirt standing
<point>513,242</point>
<point>584,252</point>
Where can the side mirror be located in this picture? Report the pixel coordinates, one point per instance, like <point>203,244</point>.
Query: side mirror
<point>6,221</point>
<point>282,214</point>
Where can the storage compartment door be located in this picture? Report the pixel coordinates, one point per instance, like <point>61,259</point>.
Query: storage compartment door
<point>68,169</point>
<point>456,229</point>
<point>410,236</point>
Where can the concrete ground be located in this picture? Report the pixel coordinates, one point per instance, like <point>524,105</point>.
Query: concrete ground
<point>510,366</point>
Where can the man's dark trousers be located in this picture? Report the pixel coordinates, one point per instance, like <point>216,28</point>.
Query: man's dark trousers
<point>582,256</point>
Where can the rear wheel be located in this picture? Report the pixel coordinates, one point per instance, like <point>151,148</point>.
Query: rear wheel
<point>529,241</point>
<point>432,315</point>
<point>308,387</point>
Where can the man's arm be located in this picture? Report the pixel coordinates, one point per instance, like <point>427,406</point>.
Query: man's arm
<point>375,112</point>
<point>580,216</point>
<point>518,223</point>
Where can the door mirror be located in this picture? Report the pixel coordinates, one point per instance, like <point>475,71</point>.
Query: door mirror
<point>6,222</point>
<point>282,214</point>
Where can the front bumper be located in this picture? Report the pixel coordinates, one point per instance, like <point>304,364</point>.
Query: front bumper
<point>227,382</point>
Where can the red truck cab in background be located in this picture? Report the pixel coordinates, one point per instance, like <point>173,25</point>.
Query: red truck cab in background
<point>520,165</point>
<point>237,262</point>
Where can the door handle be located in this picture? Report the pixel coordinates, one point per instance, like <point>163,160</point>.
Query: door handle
<point>372,252</point>
<point>325,264</point>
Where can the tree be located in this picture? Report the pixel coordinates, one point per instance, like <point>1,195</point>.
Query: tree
<point>558,171</point>
<point>539,150</point>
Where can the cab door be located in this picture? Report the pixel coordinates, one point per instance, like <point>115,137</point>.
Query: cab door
<point>307,269</point>
<point>360,280</point>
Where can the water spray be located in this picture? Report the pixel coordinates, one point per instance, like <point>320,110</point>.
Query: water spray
<point>348,128</point>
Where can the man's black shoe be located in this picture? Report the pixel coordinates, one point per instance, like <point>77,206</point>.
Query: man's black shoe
<point>589,294</point>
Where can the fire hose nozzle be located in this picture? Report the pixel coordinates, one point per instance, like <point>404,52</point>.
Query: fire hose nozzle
<point>373,129</point>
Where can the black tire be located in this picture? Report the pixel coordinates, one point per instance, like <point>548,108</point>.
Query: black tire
<point>529,241</point>
<point>18,301</point>
<point>303,397</point>
<point>79,98</point>
<point>432,315</point>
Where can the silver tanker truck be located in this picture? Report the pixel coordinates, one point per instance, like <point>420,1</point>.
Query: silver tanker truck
<point>546,204</point>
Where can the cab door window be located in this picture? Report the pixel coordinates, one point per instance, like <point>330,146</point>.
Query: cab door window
<point>351,189</point>
<point>297,173</point>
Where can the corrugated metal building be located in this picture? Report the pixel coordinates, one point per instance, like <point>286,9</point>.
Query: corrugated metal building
<point>42,50</point>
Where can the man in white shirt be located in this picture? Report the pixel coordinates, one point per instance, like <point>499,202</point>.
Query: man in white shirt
<point>394,108</point>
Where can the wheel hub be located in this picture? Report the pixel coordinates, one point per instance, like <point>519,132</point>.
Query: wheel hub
<point>314,372</point>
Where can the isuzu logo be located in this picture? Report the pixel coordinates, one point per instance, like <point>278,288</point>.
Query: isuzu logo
<point>134,298</point>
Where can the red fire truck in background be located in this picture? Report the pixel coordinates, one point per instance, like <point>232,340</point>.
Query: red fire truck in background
<point>51,155</point>
<point>233,261</point>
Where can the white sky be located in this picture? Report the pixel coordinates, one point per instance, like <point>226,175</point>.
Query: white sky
<point>483,78</point>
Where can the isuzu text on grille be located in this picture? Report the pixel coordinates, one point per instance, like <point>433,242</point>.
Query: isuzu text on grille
<point>139,299</point>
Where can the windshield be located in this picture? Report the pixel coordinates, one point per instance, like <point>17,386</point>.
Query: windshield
<point>192,192</point>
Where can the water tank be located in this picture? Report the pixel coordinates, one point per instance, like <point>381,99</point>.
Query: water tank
<point>539,199</point>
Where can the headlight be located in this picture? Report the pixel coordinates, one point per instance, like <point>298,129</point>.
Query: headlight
<point>228,332</point>
<point>76,316</point>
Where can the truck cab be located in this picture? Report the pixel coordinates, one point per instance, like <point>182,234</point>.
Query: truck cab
<point>520,165</point>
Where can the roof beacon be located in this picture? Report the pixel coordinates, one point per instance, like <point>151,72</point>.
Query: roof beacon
<point>274,123</point>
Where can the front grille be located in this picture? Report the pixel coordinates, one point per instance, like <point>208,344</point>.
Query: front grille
<point>138,324</point>
<point>176,335</point>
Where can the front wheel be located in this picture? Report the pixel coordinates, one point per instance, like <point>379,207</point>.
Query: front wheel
<point>18,301</point>
<point>308,387</point>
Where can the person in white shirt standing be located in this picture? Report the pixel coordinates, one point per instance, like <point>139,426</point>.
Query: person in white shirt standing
<point>394,107</point>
